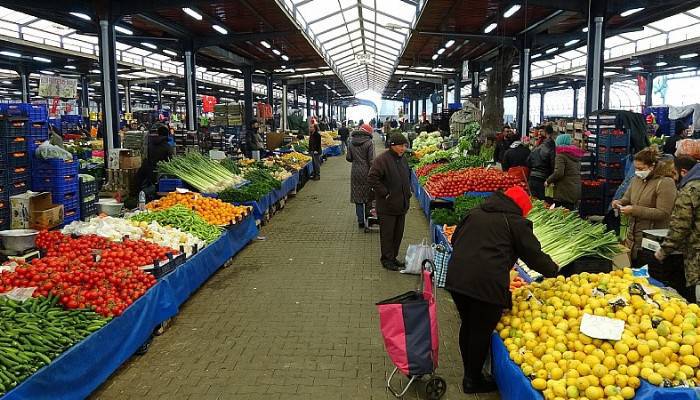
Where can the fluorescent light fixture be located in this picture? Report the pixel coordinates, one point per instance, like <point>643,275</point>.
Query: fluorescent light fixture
<point>584,30</point>
<point>220,29</point>
<point>41,59</point>
<point>95,71</point>
<point>192,13</point>
<point>81,15</point>
<point>47,72</point>
<point>509,13</point>
<point>536,55</point>
<point>123,30</point>
<point>687,56</point>
<point>171,83</point>
<point>326,86</point>
<point>552,50</point>
<point>635,68</point>
<point>490,27</point>
<point>661,64</point>
<point>689,69</point>
<point>170,52</point>
<point>69,67</point>
<point>488,69</point>
<point>7,83</point>
<point>283,67</point>
<point>571,42</point>
<point>265,44</point>
<point>277,52</point>
<point>561,82</point>
<point>10,54</point>
<point>449,44</point>
<point>149,45</point>
<point>440,51</point>
<point>17,93</point>
<point>435,57</point>
<point>403,87</point>
<point>540,84</point>
<point>285,57</point>
<point>631,11</point>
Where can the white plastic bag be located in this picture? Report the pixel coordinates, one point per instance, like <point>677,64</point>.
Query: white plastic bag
<point>415,255</point>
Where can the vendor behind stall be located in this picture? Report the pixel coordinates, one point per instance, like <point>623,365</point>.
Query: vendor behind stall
<point>158,150</point>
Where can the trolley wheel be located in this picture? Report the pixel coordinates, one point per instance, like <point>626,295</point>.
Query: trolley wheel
<point>435,388</point>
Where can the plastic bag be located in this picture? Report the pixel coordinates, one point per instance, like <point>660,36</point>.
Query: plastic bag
<point>415,255</point>
<point>549,191</point>
<point>47,150</point>
<point>688,147</point>
<point>20,293</point>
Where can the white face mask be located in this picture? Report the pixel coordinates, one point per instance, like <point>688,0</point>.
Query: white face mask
<point>642,174</point>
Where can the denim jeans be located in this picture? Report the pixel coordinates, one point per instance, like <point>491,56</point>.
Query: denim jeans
<point>360,212</point>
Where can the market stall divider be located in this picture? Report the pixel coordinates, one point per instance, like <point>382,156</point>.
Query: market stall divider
<point>512,383</point>
<point>81,369</point>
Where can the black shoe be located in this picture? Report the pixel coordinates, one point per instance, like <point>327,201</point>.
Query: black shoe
<point>316,178</point>
<point>391,266</point>
<point>360,225</point>
<point>481,386</point>
<point>401,265</point>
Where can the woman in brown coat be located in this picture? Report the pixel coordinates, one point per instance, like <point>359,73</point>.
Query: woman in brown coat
<point>566,177</point>
<point>360,154</point>
<point>649,199</point>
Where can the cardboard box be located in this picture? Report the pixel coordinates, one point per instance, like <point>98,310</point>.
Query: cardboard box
<point>123,159</point>
<point>35,211</point>
<point>275,140</point>
<point>622,260</point>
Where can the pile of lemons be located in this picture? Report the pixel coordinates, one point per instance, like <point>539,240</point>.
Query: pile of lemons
<point>660,342</point>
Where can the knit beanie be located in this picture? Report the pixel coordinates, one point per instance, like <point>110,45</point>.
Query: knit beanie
<point>521,198</point>
<point>366,128</point>
<point>397,138</point>
<point>563,140</point>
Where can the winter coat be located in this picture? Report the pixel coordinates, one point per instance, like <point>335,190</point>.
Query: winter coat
<point>502,145</point>
<point>344,133</point>
<point>315,142</point>
<point>541,160</point>
<point>566,177</point>
<point>515,157</point>
<point>671,143</point>
<point>360,154</point>
<point>652,202</point>
<point>684,228</point>
<point>158,150</point>
<point>390,179</point>
<point>485,246</point>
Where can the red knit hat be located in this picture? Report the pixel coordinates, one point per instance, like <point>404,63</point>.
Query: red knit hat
<point>366,128</point>
<point>521,198</point>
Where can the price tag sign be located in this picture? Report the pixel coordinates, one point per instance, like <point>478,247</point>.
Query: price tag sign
<point>602,327</point>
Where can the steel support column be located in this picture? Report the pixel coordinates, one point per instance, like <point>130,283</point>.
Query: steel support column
<point>416,111</point>
<point>445,101</point>
<point>458,87</point>
<point>271,97</point>
<point>410,111</point>
<point>283,114</point>
<point>425,109</point>
<point>191,88</point>
<point>649,90</point>
<point>576,91</point>
<point>316,109</point>
<point>24,83</point>
<point>248,95</point>
<point>435,108</point>
<point>127,97</point>
<point>84,96</point>
<point>159,95</point>
<point>110,92</point>
<point>308,107</point>
<point>606,98</point>
<point>296,99</point>
<point>594,63</point>
<point>524,88</point>
<point>542,93</point>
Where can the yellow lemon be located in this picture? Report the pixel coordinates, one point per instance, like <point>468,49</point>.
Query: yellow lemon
<point>627,392</point>
<point>632,356</point>
<point>539,384</point>
<point>685,350</point>
<point>634,382</point>
<point>594,393</point>
<point>655,379</point>
<point>691,361</point>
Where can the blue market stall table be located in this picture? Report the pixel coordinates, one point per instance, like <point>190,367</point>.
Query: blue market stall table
<point>332,151</point>
<point>261,206</point>
<point>80,370</point>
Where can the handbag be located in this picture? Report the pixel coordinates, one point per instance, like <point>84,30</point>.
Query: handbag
<point>442,258</point>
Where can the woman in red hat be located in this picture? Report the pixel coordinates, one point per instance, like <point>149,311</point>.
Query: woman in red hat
<point>486,245</point>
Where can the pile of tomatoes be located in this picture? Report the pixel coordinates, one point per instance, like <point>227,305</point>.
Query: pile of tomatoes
<point>425,170</point>
<point>456,183</point>
<point>88,272</point>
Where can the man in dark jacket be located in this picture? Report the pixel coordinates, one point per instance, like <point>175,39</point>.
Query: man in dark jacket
<point>344,134</point>
<point>315,150</point>
<point>681,132</point>
<point>390,180</point>
<point>503,142</point>
<point>541,163</point>
<point>158,150</point>
<point>516,156</point>
<point>486,245</point>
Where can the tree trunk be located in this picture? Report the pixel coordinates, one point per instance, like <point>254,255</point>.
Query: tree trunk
<point>498,80</point>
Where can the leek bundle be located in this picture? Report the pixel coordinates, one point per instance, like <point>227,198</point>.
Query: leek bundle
<point>201,172</point>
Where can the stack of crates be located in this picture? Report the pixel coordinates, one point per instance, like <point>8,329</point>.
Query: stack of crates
<point>60,178</point>
<point>88,198</point>
<point>71,123</point>
<point>14,162</point>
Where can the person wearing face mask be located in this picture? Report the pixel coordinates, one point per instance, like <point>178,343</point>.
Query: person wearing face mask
<point>648,200</point>
<point>684,228</point>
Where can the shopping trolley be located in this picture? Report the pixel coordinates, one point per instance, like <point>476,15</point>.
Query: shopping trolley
<point>371,219</point>
<point>410,329</point>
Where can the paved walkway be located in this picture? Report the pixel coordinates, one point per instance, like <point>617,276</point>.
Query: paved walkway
<point>292,316</point>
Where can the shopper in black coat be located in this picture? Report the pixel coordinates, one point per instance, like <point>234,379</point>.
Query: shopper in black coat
<point>390,179</point>
<point>344,134</point>
<point>681,132</point>
<point>486,245</point>
<point>516,156</point>
<point>158,150</point>
<point>315,150</point>
<point>541,163</point>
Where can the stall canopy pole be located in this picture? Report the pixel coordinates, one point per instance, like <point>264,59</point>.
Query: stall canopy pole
<point>474,70</point>
<point>444,97</point>
<point>283,114</point>
<point>425,108</point>
<point>417,112</point>
<point>410,111</point>
<point>542,93</point>
<point>606,98</point>
<point>110,92</point>
<point>159,95</point>
<point>649,90</point>
<point>248,94</point>
<point>84,96</point>
<point>191,89</point>
<point>127,96</point>
<point>458,87</point>
<point>296,99</point>
<point>594,63</point>
<point>24,82</point>
<point>576,88</point>
<point>271,98</point>
<point>524,87</point>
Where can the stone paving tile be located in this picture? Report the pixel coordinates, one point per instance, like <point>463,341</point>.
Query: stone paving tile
<point>292,316</point>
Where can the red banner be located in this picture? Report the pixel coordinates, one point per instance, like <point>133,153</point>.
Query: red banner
<point>208,103</point>
<point>642,84</point>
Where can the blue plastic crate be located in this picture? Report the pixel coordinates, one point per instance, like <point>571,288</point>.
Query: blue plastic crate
<point>19,187</point>
<point>591,207</point>
<point>14,127</point>
<point>56,167</point>
<point>17,159</point>
<point>613,138</point>
<point>15,174</point>
<point>59,196</point>
<point>166,185</point>
<point>70,215</point>
<point>593,192</point>
<point>477,194</point>
<point>87,188</point>
<point>4,219</point>
<point>70,203</point>
<point>13,144</point>
<point>4,205</point>
<point>611,171</point>
<point>37,128</point>
<point>612,154</point>
<point>88,208</point>
<point>65,183</point>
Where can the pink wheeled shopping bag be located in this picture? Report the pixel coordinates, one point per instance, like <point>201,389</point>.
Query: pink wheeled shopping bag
<point>409,326</point>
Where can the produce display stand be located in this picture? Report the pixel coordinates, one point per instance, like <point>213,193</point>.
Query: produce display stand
<point>80,370</point>
<point>332,151</point>
<point>262,206</point>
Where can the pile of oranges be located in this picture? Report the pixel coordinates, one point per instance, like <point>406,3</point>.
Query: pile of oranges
<point>214,211</point>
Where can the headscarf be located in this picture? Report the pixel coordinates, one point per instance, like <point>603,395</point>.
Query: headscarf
<point>563,140</point>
